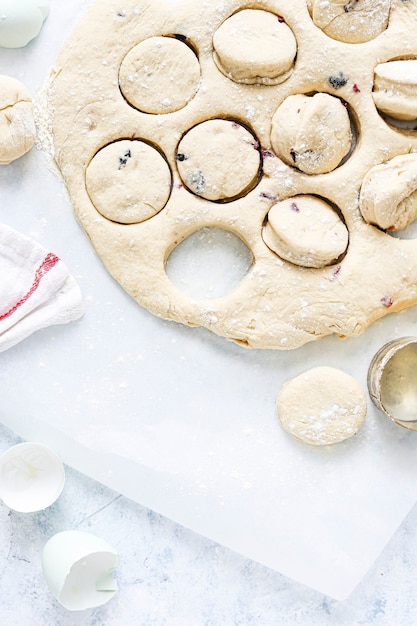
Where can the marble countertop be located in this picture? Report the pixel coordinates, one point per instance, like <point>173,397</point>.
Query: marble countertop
<point>169,575</point>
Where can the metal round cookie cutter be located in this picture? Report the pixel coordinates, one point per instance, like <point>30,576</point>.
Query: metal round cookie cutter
<point>392,381</point>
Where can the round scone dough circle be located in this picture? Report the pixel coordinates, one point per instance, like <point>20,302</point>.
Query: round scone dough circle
<point>159,75</point>
<point>128,181</point>
<point>17,124</point>
<point>255,46</point>
<point>306,231</point>
<point>395,88</point>
<point>353,21</point>
<point>311,133</point>
<point>322,406</point>
<point>218,160</point>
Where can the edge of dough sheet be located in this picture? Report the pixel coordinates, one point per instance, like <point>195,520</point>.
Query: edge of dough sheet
<point>277,305</point>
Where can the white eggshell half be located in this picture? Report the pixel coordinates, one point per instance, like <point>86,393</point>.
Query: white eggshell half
<point>79,569</point>
<point>21,21</point>
<point>32,477</point>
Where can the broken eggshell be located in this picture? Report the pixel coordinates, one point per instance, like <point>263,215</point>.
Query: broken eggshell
<point>21,21</point>
<point>31,477</point>
<point>79,569</point>
<point>395,88</point>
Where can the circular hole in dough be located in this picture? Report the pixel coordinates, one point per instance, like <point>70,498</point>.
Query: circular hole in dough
<point>255,46</point>
<point>322,406</point>
<point>219,160</point>
<point>210,263</point>
<point>306,231</point>
<point>17,124</point>
<point>159,75</point>
<point>352,21</point>
<point>395,90</point>
<point>128,181</point>
<point>312,133</point>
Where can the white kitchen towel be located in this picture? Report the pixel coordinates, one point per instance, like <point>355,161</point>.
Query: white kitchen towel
<point>36,289</point>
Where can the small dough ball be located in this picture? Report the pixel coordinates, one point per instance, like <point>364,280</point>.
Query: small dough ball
<point>17,124</point>
<point>128,181</point>
<point>322,406</point>
<point>159,75</point>
<point>21,21</point>
<point>388,196</point>
<point>306,231</point>
<point>311,133</point>
<point>255,47</point>
<point>218,160</point>
<point>395,89</point>
<point>352,21</point>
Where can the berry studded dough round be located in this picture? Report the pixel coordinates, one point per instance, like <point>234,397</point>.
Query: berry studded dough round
<point>322,406</point>
<point>166,120</point>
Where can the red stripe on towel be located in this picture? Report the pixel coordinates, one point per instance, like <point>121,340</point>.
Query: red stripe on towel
<point>47,264</point>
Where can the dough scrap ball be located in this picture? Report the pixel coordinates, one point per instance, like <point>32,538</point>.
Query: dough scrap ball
<point>255,47</point>
<point>218,160</point>
<point>21,21</point>
<point>351,21</point>
<point>306,231</point>
<point>322,406</point>
<point>311,133</point>
<point>395,88</point>
<point>128,181</point>
<point>17,124</point>
<point>159,75</point>
<point>388,197</point>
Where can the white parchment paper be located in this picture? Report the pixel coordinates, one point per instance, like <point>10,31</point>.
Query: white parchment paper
<point>183,421</point>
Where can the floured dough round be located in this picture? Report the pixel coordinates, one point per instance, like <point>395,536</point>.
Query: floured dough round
<point>17,125</point>
<point>322,406</point>
<point>389,193</point>
<point>306,231</point>
<point>254,46</point>
<point>218,160</point>
<point>159,75</point>
<point>395,88</point>
<point>312,133</point>
<point>128,181</point>
<point>231,157</point>
<point>352,21</point>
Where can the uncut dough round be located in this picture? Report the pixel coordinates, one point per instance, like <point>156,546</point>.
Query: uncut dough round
<point>17,125</point>
<point>159,75</point>
<point>21,21</point>
<point>389,193</point>
<point>354,21</point>
<point>395,88</point>
<point>312,133</point>
<point>218,160</point>
<point>322,406</point>
<point>128,181</point>
<point>306,231</point>
<point>254,46</point>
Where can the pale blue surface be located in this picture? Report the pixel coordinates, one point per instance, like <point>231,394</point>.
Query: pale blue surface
<point>170,576</point>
